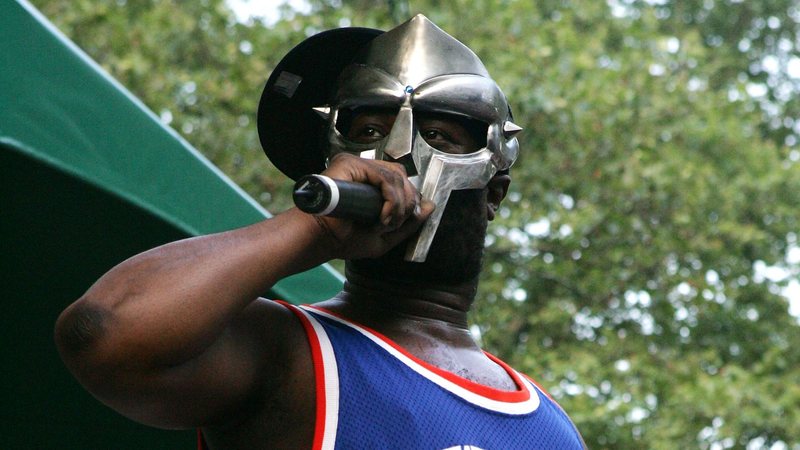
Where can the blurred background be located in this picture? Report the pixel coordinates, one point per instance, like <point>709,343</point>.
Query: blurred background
<point>644,267</point>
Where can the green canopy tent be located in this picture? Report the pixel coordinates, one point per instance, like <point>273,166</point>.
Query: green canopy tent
<point>88,177</point>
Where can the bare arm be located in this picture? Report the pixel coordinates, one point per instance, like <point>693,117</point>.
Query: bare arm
<point>173,337</point>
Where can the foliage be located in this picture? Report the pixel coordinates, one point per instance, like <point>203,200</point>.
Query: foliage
<point>659,178</point>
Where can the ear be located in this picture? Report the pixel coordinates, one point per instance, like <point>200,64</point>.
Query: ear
<point>496,192</point>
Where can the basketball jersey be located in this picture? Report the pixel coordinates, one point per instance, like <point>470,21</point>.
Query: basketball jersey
<point>373,394</point>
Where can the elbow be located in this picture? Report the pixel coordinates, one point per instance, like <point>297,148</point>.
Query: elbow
<point>80,329</point>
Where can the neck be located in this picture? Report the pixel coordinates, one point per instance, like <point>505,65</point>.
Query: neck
<point>393,303</point>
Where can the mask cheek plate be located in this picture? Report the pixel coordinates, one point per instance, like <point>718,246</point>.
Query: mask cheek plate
<point>443,174</point>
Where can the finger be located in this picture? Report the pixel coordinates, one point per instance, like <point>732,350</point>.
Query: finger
<point>345,167</point>
<point>411,225</point>
<point>391,179</point>
<point>392,189</point>
<point>424,210</point>
<point>399,195</point>
<point>414,198</point>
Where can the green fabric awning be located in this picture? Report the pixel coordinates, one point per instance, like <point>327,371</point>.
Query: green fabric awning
<point>88,177</point>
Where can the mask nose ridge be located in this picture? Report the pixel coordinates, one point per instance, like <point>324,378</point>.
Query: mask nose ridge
<point>401,139</point>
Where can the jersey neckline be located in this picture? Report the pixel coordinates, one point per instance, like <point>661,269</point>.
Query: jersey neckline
<point>524,399</point>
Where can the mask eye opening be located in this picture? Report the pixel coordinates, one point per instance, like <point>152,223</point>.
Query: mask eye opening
<point>346,116</point>
<point>477,129</point>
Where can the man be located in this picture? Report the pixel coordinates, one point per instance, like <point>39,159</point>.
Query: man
<point>177,337</point>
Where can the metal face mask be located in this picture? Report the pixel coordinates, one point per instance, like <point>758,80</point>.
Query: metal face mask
<point>418,68</point>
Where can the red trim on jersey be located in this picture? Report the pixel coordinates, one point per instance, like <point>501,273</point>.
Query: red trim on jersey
<point>521,394</point>
<point>319,375</point>
<point>201,441</point>
<point>542,389</point>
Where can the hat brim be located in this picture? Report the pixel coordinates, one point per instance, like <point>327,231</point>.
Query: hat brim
<point>291,133</point>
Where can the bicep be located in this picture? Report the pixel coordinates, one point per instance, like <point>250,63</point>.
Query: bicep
<point>224,382</point>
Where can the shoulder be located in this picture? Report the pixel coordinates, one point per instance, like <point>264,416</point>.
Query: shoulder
<point>283,402</point>
<point>275,331</point>
<point>566,420</point>
<point>267,345</point>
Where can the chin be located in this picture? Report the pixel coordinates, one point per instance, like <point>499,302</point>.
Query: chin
<point>456,253</point>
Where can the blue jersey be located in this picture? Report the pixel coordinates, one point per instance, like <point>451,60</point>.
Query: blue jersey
<point>373,394</point>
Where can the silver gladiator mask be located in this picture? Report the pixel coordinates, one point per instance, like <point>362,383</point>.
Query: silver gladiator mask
<point>418,68</point>
<point>414,68</point>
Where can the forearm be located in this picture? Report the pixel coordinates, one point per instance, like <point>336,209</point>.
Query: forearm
<point>166,305</point>
<point>177,325</point>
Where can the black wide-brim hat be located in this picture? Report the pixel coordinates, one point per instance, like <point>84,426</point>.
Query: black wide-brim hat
<point>291,133</point>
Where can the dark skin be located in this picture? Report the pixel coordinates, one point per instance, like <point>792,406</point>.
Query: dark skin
<point>177,337</point>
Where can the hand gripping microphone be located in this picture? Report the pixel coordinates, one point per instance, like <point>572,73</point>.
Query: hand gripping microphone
<point>324,196</point>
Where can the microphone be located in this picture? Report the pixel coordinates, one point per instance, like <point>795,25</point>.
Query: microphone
<point>324,196</point>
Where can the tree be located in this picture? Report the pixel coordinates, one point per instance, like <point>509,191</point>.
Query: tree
<point>659,178</point>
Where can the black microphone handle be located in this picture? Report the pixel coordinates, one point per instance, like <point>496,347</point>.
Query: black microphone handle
<point>321,195</point>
